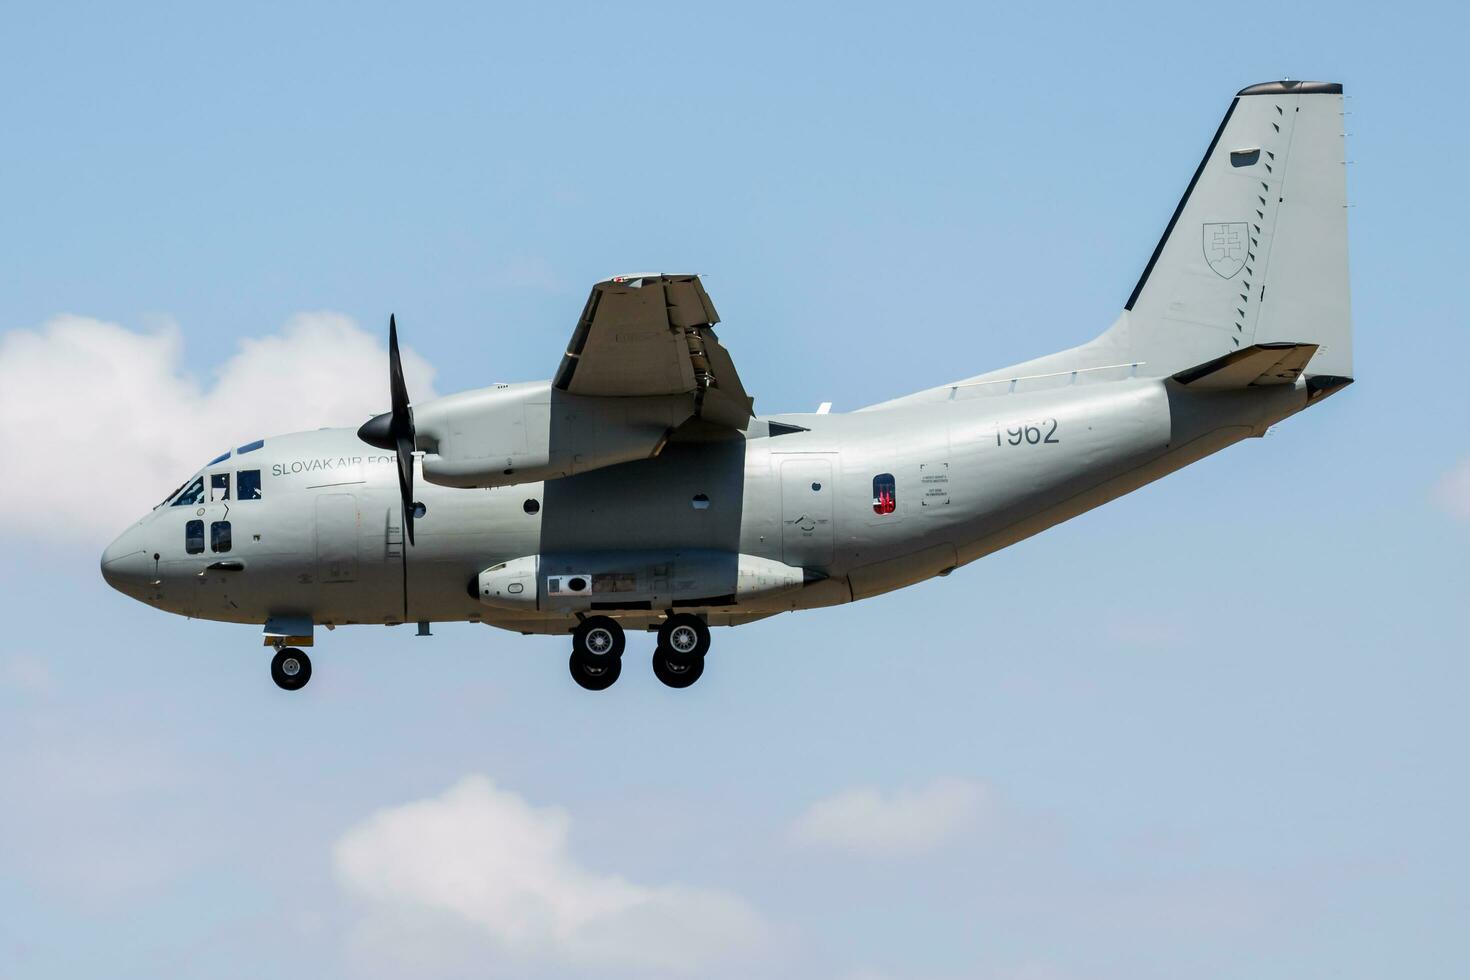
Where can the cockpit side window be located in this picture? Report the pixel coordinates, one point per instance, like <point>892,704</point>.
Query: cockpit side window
<point>248,485</point>
<point>192,494</point>
<point>219,487</point>
<point>194,537</point>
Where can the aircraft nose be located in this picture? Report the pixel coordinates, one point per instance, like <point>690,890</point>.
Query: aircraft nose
<point>127,565</point>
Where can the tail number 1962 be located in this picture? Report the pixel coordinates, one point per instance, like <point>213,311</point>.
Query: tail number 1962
<point>1027,433</point>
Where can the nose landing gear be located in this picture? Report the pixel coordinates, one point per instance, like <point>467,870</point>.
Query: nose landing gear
<point>290,669</point>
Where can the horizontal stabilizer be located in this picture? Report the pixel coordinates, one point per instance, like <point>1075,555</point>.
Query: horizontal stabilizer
<point>1258,365</point>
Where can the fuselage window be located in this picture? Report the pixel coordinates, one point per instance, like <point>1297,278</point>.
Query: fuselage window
<point>885,494</point>
<point>192,495</point>
<point>219,536</point>
<point>219,487</point>
<point>194,537</point>
<point>248,485</point>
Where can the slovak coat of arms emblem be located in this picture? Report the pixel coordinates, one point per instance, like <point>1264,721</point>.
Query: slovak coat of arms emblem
<point>1225,246</point>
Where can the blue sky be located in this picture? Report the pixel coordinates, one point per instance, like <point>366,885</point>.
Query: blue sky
<point>1214,729</point>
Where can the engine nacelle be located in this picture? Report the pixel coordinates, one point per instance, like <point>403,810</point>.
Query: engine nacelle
<point>635,580</point>
<point>523,433</point>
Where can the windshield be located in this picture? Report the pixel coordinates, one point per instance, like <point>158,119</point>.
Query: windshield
<point>192,494</point>
<point>170,496</point>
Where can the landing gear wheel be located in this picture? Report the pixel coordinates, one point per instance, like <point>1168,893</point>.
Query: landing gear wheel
<point>290,669</point>
<point>677,670</point>
<point>598,638</point>
<point>597,676</point>
<point>685,635</point>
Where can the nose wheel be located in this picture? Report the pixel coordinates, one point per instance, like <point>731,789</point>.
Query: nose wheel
<point>683,640</point>
<point>290,669</point>
<point>597,653</point>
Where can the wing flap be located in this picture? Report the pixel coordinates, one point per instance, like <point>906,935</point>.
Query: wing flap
<point>653,335</point>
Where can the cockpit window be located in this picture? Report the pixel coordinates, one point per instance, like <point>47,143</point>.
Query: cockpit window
<point>219,459</point>
<point>250,447</point>
<point>248,485</point>
<point>169,497</point>
<point>192,494</point>
<point>219,487</point>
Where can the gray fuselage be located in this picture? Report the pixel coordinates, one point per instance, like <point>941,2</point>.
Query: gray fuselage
<point>858,504</point>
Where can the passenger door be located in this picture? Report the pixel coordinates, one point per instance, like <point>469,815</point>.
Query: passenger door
<point>806,510</point>
<point>336,538</point>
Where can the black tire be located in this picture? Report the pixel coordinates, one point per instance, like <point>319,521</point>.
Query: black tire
<point>597,676</point>
<point>598,638</point>
<point>673,634</point>
<point>676,670</point>
<point>290,669</point>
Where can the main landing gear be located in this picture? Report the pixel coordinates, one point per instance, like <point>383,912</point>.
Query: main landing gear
<point>597,653</point>
<point>290,669</point>
<point>678,661</point>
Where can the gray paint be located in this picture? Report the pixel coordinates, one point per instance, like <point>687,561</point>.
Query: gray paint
<point>787,521</point>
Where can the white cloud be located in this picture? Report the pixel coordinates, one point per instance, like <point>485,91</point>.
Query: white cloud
<point>487,857</point>
<point>1453,491</point>
<point>98,422</point>
<point>865,821</point>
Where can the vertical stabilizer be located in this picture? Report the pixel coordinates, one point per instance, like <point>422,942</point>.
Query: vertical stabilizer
<point>1255,254</point>
<point>1256,251</point>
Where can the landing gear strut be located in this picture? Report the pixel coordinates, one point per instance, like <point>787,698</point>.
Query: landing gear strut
<point>597,653</point>
<point>290,669</point>
<point>683,640</point>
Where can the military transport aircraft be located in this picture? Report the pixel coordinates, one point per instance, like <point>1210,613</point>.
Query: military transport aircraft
<point>638,490</point>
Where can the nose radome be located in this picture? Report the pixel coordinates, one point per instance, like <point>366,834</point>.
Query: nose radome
<point>126,564</point>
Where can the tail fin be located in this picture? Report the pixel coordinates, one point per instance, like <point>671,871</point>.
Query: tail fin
<point>1256,251</point>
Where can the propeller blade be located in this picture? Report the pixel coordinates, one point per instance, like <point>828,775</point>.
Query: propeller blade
<point>397,389</point>
<point>393,430</point>
<point>405,483</point>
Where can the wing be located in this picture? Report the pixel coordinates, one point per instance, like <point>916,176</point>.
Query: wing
<point>654,335</point>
